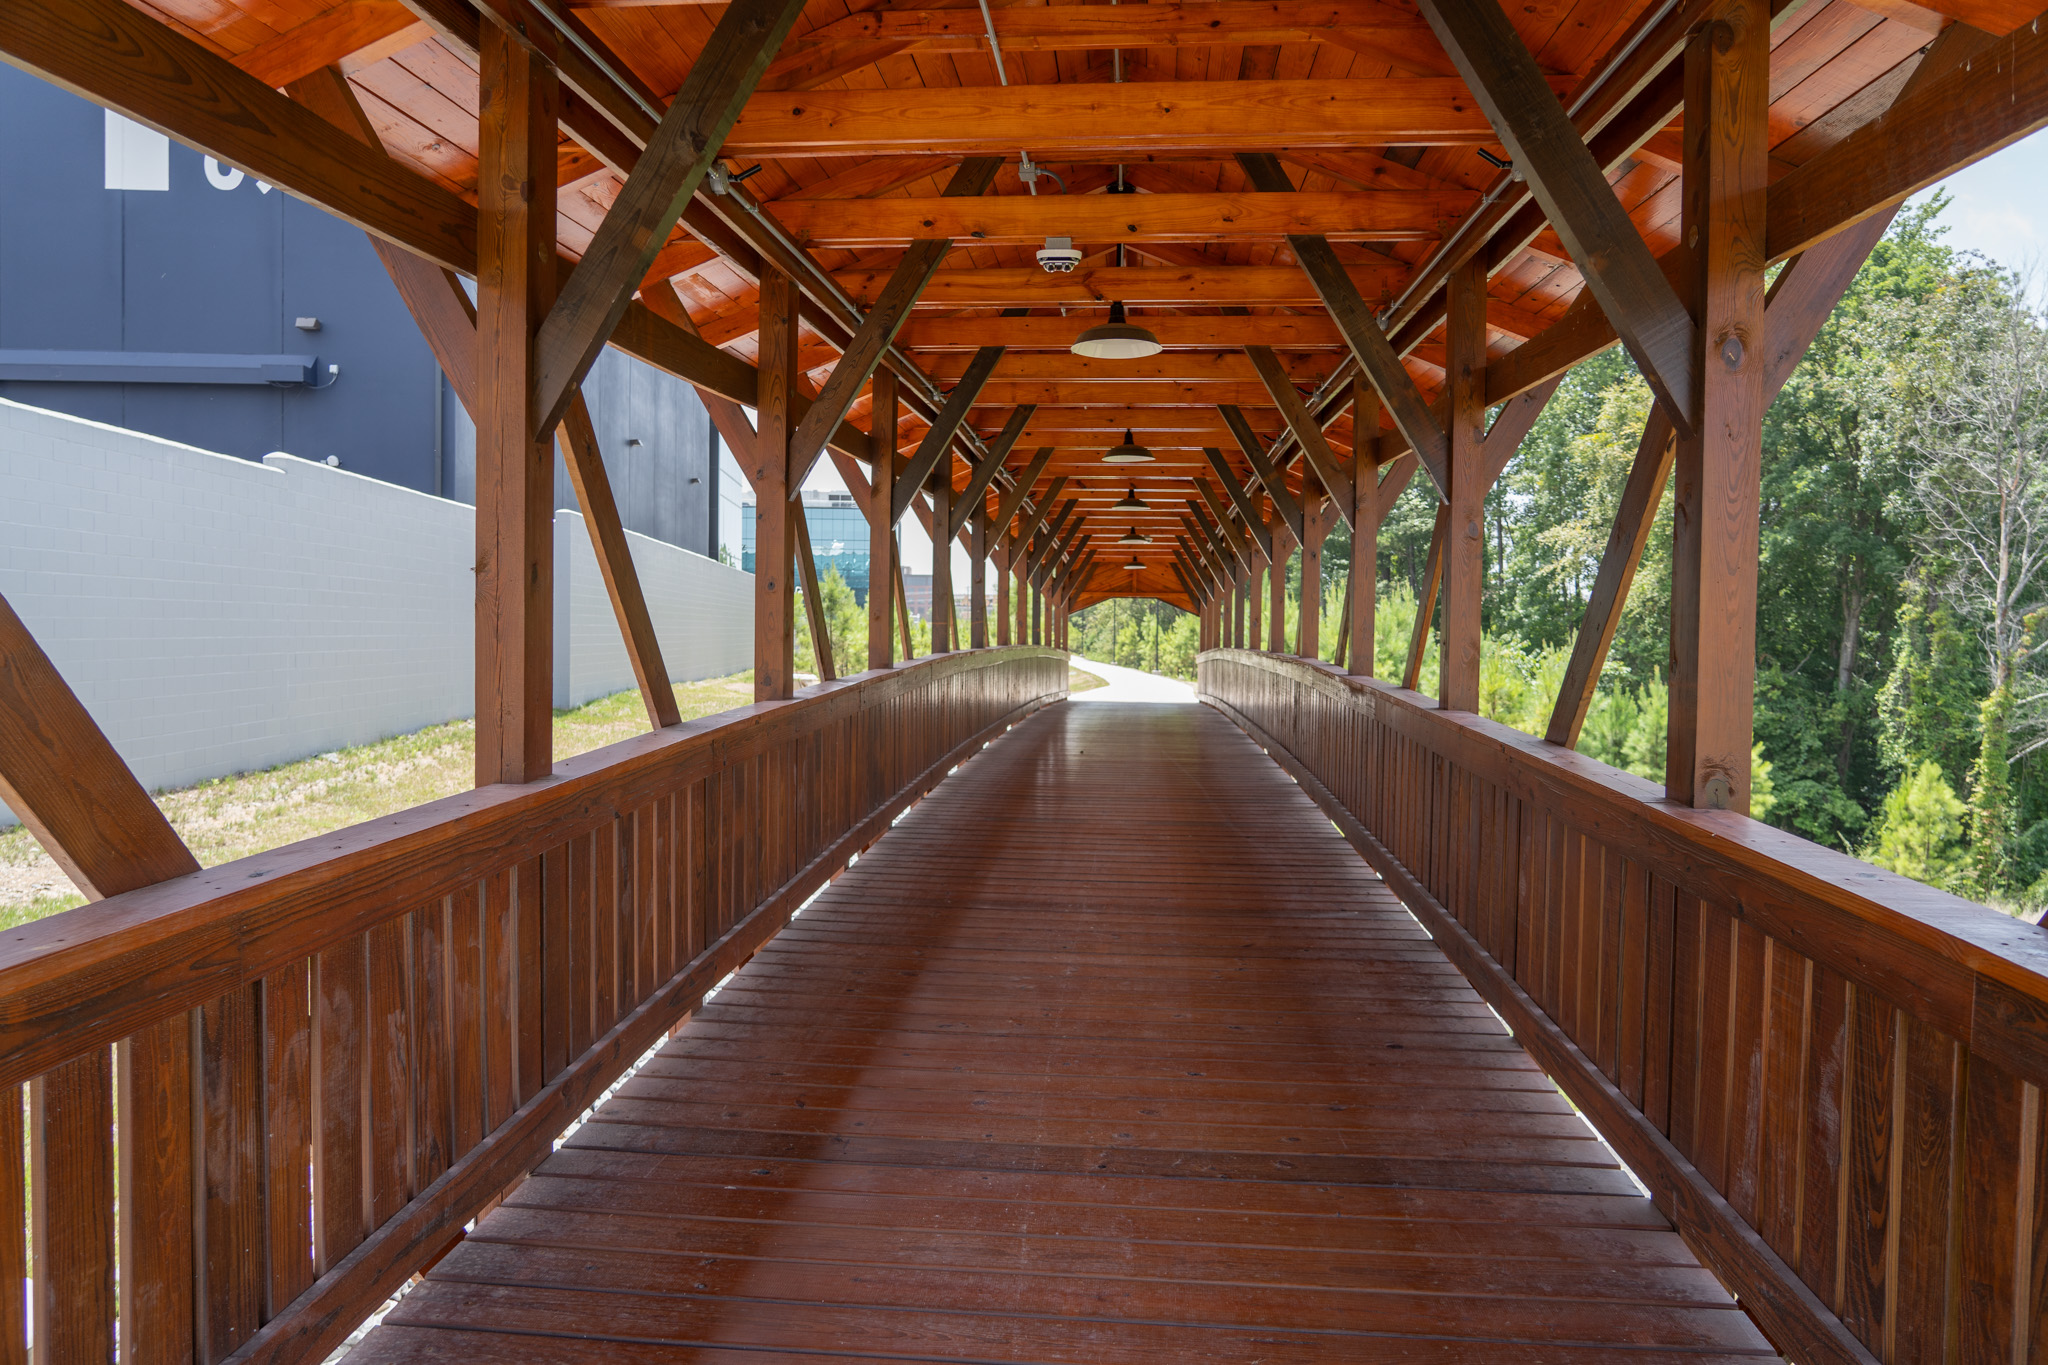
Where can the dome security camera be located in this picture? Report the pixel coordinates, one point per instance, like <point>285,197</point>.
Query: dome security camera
<point>1058,256</point>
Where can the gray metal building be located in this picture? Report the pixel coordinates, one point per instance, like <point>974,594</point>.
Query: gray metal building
<point>148,287</point>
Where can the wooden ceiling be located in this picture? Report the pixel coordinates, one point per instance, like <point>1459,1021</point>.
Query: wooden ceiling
<point>869,108</point>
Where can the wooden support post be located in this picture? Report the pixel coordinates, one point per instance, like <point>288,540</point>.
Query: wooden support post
<point>1361,619</point>
<point>1254,635</point>
<point>814,594</point>
<point>515,540</point>
<point>1020,595</point>
<point>942,554</point>
<point>774,500</point>
<point>1317,519</point>
<point>1425,601</point>
<point>1718,462</point>
<point>977,580</point>
<point>447,319</point>
<point>1464,555</point>
<point>882,419</point>
<point>1002,563</point>
<point>1283,549</point>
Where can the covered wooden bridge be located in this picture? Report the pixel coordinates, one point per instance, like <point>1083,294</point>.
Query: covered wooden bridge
<point>966,1022</point>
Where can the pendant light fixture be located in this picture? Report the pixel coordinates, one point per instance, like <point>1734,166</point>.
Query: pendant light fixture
<point>1134,537</point>
<point>1131,502</point>
<point>1130,452</point>
<point>1134,566</point>
<point>1116,339</point>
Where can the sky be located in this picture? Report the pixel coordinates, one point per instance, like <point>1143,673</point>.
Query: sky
<point>2000,208</point>
<point>2001,204</point>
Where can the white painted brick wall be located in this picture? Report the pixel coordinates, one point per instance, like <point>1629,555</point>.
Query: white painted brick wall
<point>219,616</point>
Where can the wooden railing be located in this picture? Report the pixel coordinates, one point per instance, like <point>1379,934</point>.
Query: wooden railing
<point>1829,1076</point>
<point>292,1079</point>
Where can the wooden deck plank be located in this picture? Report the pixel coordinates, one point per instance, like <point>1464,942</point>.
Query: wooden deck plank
<point>1110,1052</point>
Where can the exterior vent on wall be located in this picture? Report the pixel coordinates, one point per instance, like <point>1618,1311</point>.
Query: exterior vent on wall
<point>155,367</point>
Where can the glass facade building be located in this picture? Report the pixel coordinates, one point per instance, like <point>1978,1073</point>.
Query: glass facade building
<point>839,538</point>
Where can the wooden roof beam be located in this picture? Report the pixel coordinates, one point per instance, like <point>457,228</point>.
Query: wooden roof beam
<point>1031,517</point>
<point>1287,332</point>
<point>1035,559</point>
<point>1134,286</point>
<point>979,477</point>
<point>1055,120</point>
<point>1307,432</point>
<point>1181,366</point>
<point>1060,547</point>
<point>1369,345</point>
<point>878,329</point>
<point>1988,101</point>
<point>672,164</point>
<point>1245,545</point>
<point>1021,220</point>
<point>939,438</point>
<point>1284,502</point>
<point>1009,504</point>
<point>1247,508</point>
<point>123,59</point>
<point>351,34</point>
<point>1568,182</point>
<point>1177,23</point>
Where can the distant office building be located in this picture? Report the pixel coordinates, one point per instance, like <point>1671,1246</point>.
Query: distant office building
<point>839,539</point>
<point>917,596</point>
<point>145,286</point>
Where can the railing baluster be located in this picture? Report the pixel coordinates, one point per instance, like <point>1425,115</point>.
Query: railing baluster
<point>388,1059</point>
<point>71,1184</point>
<point>287,1134</point>
<point>433,1111</point>
<point>340,1199</point>
<point>154,1104</point>
<point>231,1291</point>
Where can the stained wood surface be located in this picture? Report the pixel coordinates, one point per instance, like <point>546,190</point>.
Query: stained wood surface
<point>1160,1073</point>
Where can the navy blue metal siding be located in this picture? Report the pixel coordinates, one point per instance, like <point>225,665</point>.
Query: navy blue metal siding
<point>204,268</point>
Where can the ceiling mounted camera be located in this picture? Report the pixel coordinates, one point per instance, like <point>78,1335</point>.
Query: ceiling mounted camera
<point>1059,256</point>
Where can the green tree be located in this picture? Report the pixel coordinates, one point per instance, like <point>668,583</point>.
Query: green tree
<point>1928,706</point>
<point>1920,831</point>
<point>846,622</point>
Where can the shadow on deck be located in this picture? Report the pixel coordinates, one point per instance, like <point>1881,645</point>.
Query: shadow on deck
<point>1111,1051</point>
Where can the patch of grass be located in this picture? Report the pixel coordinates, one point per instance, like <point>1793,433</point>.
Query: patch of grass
<point>1079,681</point>
<point>233,817</point>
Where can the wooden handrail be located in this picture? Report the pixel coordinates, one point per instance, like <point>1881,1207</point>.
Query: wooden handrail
<point>1829,1076</point>
<point>411,1009</point>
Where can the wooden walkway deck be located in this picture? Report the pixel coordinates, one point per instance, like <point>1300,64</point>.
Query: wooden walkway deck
<point>1111,1053</point>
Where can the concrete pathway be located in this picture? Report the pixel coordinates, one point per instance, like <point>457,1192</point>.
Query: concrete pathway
<point>1131,684</point>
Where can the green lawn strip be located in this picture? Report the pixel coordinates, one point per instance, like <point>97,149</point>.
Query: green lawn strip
<point>232,817</point>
